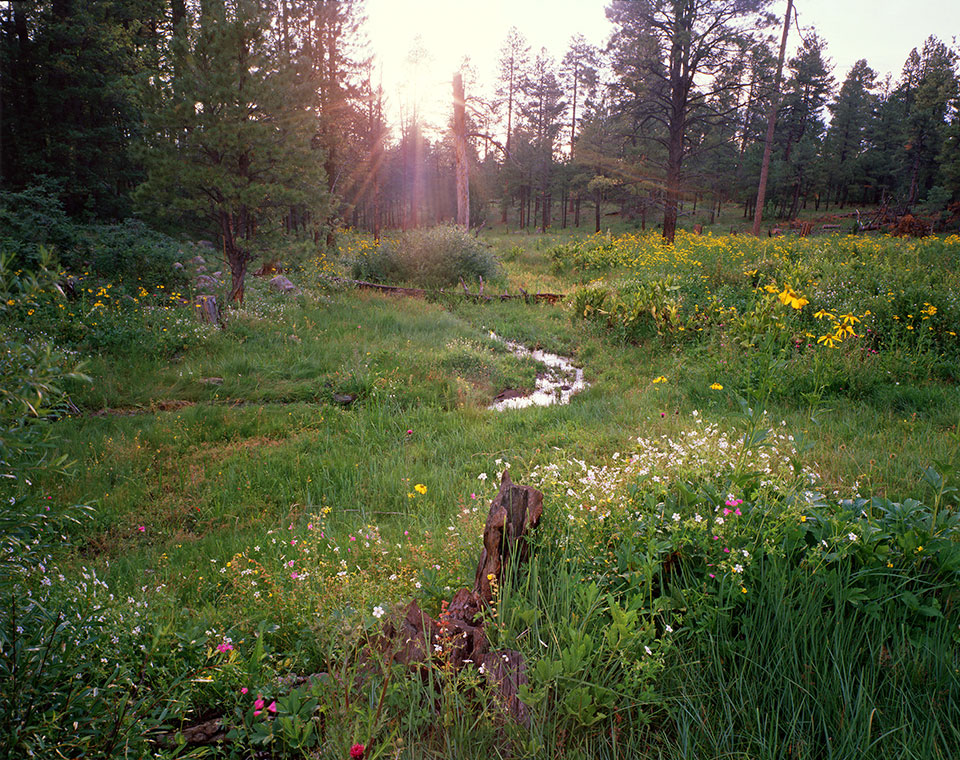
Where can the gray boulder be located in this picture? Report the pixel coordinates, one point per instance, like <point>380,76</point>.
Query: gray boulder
<point>282,285</point>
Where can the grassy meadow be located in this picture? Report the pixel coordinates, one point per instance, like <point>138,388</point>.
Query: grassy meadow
<point>750,545</point>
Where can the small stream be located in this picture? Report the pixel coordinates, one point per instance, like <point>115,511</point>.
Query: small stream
<point>555,385</point>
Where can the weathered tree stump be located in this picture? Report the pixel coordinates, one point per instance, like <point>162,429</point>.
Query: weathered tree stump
<point>514,512</point>
<point>208,311</point>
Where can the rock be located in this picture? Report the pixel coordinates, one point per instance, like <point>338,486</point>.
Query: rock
<point>282,285</point>
<point>211,380</point>
<point>206,282</point>
<point>345,399</point>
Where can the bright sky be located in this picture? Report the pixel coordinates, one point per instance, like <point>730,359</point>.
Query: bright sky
<point>882,31</point>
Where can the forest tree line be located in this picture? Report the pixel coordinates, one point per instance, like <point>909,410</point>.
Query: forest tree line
<point>249,119</point>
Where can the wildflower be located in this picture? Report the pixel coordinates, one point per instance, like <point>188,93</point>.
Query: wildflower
<point>409,432</point>
<point>420,488</point>
<point>224,647</point>
<point>852,536</point>
<point>378,612</point>
<point>668,628</point>
<point>660,379</point>
<point>356,752</point>
<point>789,297</point>
<point>676,517</point>
<point>141,528</point>
<point>244,689</point>
<point>824,314</point>
<point>716,387</point>
<point>732,502</point>
<point>482,476</point>
<point>827,340</point>
<point>648,649</point>
<point>738,568</point>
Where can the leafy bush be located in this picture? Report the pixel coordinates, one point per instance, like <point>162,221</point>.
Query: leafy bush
<point>33,220</point>
<point>88,314</point>
<point>436,257</point>
<point>129,251</point>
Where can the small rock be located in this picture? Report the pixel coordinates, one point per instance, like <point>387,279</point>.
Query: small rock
<point>211,380</point>
<point>282,285</point>
<point>345,399</point>
<point>206,282</point>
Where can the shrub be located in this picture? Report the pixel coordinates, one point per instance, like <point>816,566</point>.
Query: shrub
<point>130,250</point>
<point>33,220</point>
<point>435,257</point>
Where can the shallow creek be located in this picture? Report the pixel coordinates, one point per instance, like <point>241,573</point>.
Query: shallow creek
<point>555,384</point>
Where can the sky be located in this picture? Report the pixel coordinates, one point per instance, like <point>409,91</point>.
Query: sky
<point>882,31</point>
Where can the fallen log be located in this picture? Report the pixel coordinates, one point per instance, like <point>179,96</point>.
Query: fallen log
<point>399,290</point>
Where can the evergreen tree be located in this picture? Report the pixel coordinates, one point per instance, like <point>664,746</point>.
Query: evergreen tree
<point>800,125</point>
<point>845,138</point>
<point>673,52</point>
<point>69,111</point>
<point>231,137</point>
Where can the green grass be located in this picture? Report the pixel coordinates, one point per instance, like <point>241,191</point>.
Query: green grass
<point>234,471</point>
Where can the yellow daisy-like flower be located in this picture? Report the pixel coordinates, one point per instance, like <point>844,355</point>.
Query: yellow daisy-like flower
<point>660,379</point>
<point>824,314</point>
<point>420,488</point>
<point>716,387</point>
<point>827,340</point>
<point>790,297</point>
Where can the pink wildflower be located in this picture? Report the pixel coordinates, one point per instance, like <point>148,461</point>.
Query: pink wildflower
<point>244,689</point>
<point>141,528</point>
<point>225,647</point>
<point>356,752</point>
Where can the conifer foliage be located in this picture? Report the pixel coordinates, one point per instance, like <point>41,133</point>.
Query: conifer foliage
<point>232,137</point>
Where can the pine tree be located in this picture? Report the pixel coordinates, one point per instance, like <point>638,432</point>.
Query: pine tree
<point>232,134</point>
<point>671,53</point>
<point>845,139</point>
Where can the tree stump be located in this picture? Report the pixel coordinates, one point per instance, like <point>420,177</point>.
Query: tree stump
<point>514,511</point>
<point>208,311</point>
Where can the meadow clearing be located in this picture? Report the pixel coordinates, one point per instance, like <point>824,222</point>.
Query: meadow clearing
<point>750,545</point>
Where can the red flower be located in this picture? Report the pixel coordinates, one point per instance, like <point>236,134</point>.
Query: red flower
<point>356,751</point>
